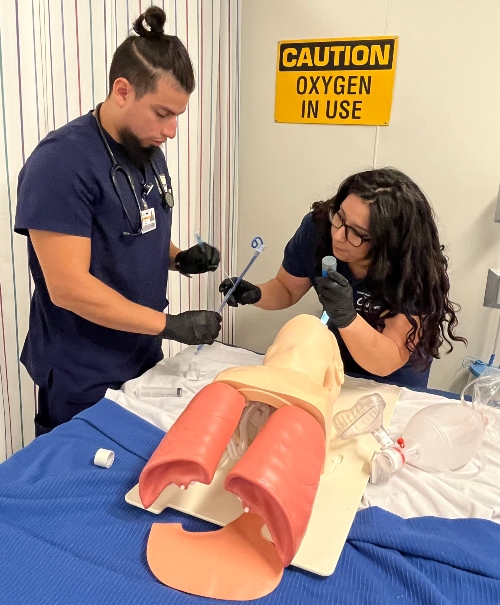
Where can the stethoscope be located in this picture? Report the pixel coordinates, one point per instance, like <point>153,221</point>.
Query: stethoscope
<point>163,181</point>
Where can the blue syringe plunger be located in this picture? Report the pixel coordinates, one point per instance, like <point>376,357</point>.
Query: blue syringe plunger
<point>199,240</point>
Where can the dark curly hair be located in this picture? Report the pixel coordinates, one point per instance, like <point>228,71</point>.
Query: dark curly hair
<point>143,58</point>
<point>408,270</point>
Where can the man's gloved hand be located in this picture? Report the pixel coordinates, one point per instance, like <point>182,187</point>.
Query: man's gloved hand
<point>197,259</point>
<point>244,294</point>
<point>335,294</point>
<point>193,327</point>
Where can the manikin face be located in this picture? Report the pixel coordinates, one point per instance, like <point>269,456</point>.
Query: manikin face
<point>152,119</point>
<point>355,212</point>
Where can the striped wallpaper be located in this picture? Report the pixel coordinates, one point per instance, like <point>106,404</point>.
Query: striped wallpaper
<point>54,59</point>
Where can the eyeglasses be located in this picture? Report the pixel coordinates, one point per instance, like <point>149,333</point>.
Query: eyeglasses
<point>352,236</point>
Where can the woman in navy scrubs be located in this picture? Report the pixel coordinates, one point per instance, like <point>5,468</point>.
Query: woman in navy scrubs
<point>388,300</point>
<point>95,202</point>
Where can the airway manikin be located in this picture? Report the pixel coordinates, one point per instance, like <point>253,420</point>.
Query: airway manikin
<point>276,478</point>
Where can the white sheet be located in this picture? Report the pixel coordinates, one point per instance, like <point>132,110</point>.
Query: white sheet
<point>409,493</point>
<point>171,372</point>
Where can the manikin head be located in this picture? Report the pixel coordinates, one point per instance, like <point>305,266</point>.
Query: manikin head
<point>302,367</point>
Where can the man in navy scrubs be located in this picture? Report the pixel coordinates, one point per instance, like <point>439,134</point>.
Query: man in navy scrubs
<point>94,201</point>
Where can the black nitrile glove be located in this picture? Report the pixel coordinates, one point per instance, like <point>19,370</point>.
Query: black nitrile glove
<point>335,294</point>
<point>244,294</point>
<point>193,327</point>
<point>197,259</point>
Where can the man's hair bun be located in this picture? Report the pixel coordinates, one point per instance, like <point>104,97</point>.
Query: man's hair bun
<point>151,22</point>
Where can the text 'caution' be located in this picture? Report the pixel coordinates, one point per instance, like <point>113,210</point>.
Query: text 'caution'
<point>338,81</point>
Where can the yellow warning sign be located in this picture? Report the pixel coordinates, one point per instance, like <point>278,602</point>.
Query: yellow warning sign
<point>337,81</point>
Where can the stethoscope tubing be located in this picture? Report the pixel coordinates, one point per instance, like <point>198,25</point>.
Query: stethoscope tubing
<point>166,195</point>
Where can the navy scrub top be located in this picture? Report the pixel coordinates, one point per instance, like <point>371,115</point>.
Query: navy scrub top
<point>65,187</point>
<point>299,261</point>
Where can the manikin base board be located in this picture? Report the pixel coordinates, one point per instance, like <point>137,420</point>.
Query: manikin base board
<point>340,489</point>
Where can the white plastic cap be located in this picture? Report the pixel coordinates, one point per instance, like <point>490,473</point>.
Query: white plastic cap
<point>104,458</point>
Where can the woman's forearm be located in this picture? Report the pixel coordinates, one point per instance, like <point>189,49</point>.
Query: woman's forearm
<point>282,291</point>
<point>372,350</point>
<point>274,296</point>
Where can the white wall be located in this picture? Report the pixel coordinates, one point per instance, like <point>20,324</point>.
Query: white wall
<point>444,133</point>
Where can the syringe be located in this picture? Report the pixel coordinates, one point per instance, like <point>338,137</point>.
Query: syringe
<point>157,392</point>
<point>328,263</point>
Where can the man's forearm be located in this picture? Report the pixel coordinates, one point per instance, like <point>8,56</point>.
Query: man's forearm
<point>93,300</point>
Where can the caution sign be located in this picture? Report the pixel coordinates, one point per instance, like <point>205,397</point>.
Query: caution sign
<point>338,81</point>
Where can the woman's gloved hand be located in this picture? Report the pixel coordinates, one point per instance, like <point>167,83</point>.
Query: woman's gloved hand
<point>335,294</point>
<point>193,327</point>
<point>197,259</point>
<point>245,293</point>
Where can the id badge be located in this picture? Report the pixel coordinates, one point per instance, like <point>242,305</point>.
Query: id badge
<point>148,220</point>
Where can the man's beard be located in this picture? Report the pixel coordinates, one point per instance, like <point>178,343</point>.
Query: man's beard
<point>138,154</point>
